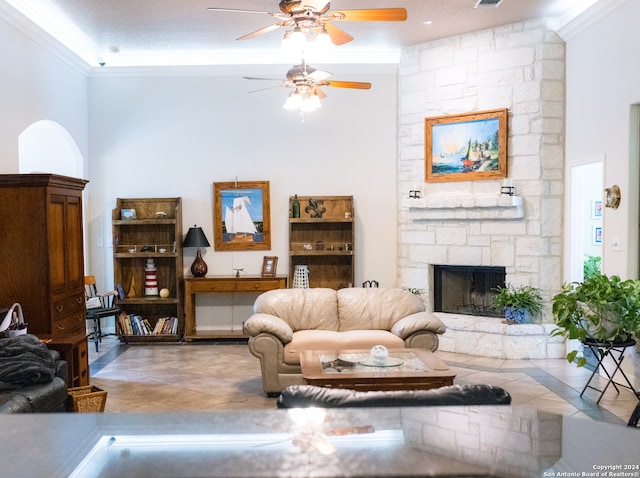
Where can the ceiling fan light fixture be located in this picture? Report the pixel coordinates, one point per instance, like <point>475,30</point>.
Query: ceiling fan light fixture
<point>310,103</point>
<point>298,39</point>
<point>323,41</point>
<point>294,101</point>
<point>314,99</point>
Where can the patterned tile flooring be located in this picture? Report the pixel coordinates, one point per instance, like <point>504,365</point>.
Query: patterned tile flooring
<point>202,376</point>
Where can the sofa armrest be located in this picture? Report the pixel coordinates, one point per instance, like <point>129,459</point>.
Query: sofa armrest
<point>266,323</point>
<point>417,322</point>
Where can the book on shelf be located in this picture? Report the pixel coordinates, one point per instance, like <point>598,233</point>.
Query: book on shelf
<point>131,324</point>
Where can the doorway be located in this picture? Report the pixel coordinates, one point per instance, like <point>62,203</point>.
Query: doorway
<point>586,216</point>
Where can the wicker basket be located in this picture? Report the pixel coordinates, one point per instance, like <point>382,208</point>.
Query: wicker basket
<point>88,399</point>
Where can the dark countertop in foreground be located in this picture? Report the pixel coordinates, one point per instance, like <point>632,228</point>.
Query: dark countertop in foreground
<point>390,442</point>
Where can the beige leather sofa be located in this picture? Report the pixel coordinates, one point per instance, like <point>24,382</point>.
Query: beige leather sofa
<point>286,321</point>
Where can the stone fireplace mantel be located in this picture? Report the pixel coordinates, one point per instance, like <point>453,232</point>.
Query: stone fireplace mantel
<point>437,208</point>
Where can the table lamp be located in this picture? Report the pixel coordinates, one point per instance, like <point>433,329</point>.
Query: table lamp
<point>196,238</point>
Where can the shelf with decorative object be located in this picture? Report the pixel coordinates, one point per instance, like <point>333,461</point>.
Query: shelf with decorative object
<point>465,207</point>
<point>322,238</point>
<point>147,243</point>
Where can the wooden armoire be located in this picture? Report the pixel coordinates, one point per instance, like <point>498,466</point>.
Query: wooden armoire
<point>42,261</point>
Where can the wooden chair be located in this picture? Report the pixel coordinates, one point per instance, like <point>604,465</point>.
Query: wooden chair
<point>99,305</point>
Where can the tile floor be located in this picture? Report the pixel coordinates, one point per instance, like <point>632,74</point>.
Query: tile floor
<point>223,375</point>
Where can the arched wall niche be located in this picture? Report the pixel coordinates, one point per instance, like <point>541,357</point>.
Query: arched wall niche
<point>46,146</point>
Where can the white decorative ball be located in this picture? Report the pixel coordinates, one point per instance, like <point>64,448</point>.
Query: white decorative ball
<point>379,354</point>
<point>164,293</point>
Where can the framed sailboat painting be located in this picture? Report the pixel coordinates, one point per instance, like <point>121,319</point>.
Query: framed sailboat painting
<point>241,217</point>
<point>466,147</point>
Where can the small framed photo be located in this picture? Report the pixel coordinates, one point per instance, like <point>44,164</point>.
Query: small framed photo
<point>128,214</point>
<point>269,266</point>
<point>596,210</point>
<point>597,235</point>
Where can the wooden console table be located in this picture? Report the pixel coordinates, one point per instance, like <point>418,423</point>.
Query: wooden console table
<point>221,284</point>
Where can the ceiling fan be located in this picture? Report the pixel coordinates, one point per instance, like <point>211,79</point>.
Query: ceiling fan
<point>312,18</point>
<point>306,83</point>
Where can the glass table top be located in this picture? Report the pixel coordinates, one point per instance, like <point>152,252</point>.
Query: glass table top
<point>363,362</point>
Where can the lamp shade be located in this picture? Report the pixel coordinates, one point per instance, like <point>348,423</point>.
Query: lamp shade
<point>195,238</point>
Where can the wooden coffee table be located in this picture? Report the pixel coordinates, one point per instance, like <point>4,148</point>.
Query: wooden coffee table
<point>420,370</point>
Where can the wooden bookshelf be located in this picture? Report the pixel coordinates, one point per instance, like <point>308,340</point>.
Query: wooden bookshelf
<point>155,233</point>
<point>322,238</point>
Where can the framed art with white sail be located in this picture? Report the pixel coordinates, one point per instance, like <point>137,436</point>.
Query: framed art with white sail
<point>241,217</point>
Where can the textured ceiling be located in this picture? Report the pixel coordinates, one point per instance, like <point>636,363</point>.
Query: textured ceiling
<point>139,28</point>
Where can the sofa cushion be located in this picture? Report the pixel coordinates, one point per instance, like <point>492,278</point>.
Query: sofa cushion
<point>315,308</point>
<point>332,340</point>
<point>374,308</point>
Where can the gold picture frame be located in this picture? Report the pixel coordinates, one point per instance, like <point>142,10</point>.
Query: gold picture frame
<point>241,216</point>
<point>269,266</point>
<point>466,147</point>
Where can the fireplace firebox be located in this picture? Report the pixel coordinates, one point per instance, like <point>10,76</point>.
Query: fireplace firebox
<point>467,289</point>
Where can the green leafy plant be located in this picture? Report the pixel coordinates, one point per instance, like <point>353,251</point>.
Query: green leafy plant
<point>591,265</point>
<point>521,297</point>
<point>600,307</point>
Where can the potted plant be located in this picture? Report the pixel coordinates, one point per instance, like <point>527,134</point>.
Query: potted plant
<point>520,303</point>
<point>591,265</point>
<point>602,308</point>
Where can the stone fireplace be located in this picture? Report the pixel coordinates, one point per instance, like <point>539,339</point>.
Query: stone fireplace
<point>466,290</point>
<point>470,223</point>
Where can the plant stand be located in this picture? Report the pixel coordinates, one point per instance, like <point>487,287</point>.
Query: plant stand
<point>615,350</point>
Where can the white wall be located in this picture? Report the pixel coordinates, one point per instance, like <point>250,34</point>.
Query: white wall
<point>36,84</point>
<point>603,82</point>
<point>157,134</point>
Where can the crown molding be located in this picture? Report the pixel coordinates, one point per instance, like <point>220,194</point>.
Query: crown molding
<point>24,25</point>
<point>573,23</point>
<point>245,69</point>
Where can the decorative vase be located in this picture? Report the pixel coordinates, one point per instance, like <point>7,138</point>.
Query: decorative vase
<point>517,316</point>
<point>295,207</point>
<point>599,323</point>
<point>150,279</point>
<point>199,267</point>
<point>301,277</point>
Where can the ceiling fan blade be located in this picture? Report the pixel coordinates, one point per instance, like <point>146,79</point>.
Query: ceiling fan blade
<point>238,10</point>
<point>317,5</point>
<point>319,75</point>
<point>371,15</point>
<point>359,85</point>
<point>267,88</point>
<point>338,36</point>
<point>262,31</point>
<point>259,78</point>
